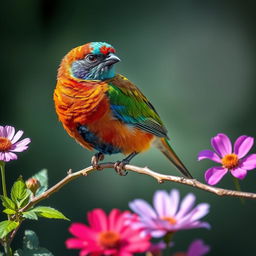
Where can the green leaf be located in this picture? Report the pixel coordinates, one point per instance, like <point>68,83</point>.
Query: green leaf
<point>25,200</point>
<point>30,215</point>
<point>42,177</point>
<point>19,190</point>
<point>7,202</point>
<point>19,193</point>
<point>48,212</point>
<point>9,211</point>
<point>7,226</point>
<point>31,246</point>
<point>30,240</point>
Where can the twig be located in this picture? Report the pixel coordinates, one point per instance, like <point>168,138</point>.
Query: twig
<point>159,177</point>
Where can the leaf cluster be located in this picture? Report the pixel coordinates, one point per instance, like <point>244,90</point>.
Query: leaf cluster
<point>20,197</point>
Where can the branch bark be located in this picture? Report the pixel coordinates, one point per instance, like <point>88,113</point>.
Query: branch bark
<point>146,171</point>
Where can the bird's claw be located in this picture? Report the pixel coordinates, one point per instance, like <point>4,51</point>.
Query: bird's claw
<point>119,167</point>
<point>95,160</point>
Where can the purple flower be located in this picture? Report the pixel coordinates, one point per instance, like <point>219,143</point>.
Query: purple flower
<point>9,143</point>
<point>233,161</point>
<point>196,248</point>
<point>169,214</point>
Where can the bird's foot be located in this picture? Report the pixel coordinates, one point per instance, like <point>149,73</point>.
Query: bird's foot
<point>119,167</point>
<point>95,160</point>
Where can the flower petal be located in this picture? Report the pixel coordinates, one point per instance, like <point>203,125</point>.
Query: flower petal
<point>113,220</point>
<point>239,173</point>
<point>198,248</point>
<point>161,202</point>
<point>175,199</point>
<point>7,156</point>
<point>84,252</point>
<point>200,211</point>
<point>158,233</point>
<point>191,225</point>
<point>215,174</point>
<point>2,133</point>
<point>249,162</point>
<point>139,245</point>
<point>10,131</point>
<point>21,145</point>
<point>98,219</point>
<point>186,205</point>
<point>208,154</point>
<point>75,243</point>
<point>82,231</point>
<point>222,144</point>
<point>142,208</point>
<point>243,145</point>
<point>124,253</point>
<point>18,149</point>
<point>17,136</point>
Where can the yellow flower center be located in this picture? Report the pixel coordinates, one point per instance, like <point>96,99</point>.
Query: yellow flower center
<point>171,220</point>
<point>5,144</point>
<point>230,161</point>
<point>109,239</point>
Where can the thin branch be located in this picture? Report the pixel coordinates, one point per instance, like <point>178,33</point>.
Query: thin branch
<point>13,233</point>
<point>146,171</point>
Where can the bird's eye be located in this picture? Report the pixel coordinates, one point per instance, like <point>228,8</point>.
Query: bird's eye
<point>92,58</point>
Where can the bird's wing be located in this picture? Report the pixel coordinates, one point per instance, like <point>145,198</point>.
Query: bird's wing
<point>130,106</point>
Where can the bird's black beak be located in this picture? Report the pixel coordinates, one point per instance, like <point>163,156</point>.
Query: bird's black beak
<point>111,59</point>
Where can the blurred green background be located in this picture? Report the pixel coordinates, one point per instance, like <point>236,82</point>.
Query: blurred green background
<point>195,61</point>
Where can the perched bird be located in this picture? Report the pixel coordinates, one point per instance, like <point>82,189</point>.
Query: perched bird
<point>104,111</point>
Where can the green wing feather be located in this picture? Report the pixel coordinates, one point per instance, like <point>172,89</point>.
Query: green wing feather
<point>130,106</point>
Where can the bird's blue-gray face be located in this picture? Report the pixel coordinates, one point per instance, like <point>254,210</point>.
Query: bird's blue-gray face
<point>95,66</point>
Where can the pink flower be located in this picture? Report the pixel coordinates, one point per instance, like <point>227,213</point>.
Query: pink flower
<point>107,235</point>
<point>169,214</point>
<point>9,143</point>
<point>233,161</point>
<point>196,248</point>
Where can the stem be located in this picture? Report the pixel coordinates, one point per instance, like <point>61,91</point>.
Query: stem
<point>2,166</point>
<point>167,239</point>
<point>7,248</point>
<point>238,188</point>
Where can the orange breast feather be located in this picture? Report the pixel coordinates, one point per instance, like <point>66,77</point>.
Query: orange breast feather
<point>79,104</point>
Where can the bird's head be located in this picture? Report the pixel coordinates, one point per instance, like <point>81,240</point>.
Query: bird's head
<point>92,61</point>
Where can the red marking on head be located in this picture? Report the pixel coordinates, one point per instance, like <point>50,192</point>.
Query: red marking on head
<point>105,50</point>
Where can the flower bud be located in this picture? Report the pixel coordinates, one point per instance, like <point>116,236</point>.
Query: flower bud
<point>33,185</point>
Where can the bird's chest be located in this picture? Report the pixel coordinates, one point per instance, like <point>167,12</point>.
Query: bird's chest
<point>76,107</point>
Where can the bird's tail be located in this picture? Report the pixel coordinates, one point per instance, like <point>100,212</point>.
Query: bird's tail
<point>163,145</point>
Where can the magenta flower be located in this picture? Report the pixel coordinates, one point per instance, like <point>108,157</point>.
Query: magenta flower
<point>107,235</point>
<point>9,143</point>
<point>233,161</point>
<point>196,248</point>
<point>169,214</point>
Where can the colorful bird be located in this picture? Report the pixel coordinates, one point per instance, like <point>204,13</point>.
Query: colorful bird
<point>104,111</point>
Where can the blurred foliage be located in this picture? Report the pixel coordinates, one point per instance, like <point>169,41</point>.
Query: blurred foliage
<point>31,246</point>
<point>195,60</point>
